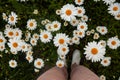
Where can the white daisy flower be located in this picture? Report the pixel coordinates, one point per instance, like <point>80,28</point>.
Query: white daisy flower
<point>79,2</point>
<point>114,9</point>
<point>113,42</point>
<point>56,26</point>
<point>80,11</point>
<point>119,78</point>
<point>2,40</point>
<point>94,52</point>
<point>1,56</point>
<point>98,28</point>
<point>29,47</point>
<point>84,18</point>
<point>22,0</point>
<point>2,47</point>
<point>14,44</point>
<point>108,2</point>
<point>106,61</point>
<point>31,24</point>
<point>96,36</point>
<point>24,46</point>
<point>102,42</point>
<point>76,40</point>
<point>58,12</point>
<point>1,33</point>
<point>75,33</point>
<point>63,50</point>
<point>29,58</point>
<point>60,39</point>
<point>117,17</point>
<point>102,77</point>
<point>63,57</point>
<point>92,31</point>
<point>45,36</point>
<point>9,32</point>
<point>43,22</point>
<point>4,16</point>
<point>68,12</point>
<point>39,63</point>
<point>48,27</point>
<point>29,52</point>
<point>103,30</point>
<point>65,23</point>
<point>13,63</point>
<point>26,39</point>
<point>47,21</point>
<point>13,52</point>
<point>36,70</point>
<point>88,33</point>
<point>96,0</point>
<point>33,41</point>
<point>7,26</point>
<point>27,35</point>
<point>60,63</point>
<point>18,33</point>
<point>82,26</point>
<point>12,19</point>
<point>35,11</point>
<point>70,42</point>
<point>74,22</point>
<point>35,36</point>
<point>81,34</point>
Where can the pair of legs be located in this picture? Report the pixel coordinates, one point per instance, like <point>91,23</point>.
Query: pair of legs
<point>78,72</point>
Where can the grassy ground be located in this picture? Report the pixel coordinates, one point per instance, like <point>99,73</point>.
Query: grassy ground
<point>98,14</point>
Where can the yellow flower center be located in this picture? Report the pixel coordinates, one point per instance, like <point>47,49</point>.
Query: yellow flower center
<point>64,49</point>
<point>23,47</point>
<point>76,39</point>
<point>82,27</point>
<point>1,40</point>
<point>68,12</point>
<point>79,1</point>
<point>33,41</point>
<point>115,8</point>
<point>94,51</point>
<point>80,33</point>
<point>61,41</point>
<point>31,24</point>
<point>12,18</point>
<point>36,36</point>
<point>39,63</point>
<point>113,42</point>
<point>74,22</point>
<point>105,61</point>
<point>45,36</point>
<point>12,63</point>
<point>60,65</point>
<point>118,15</point>
<point>55,26</point>
<point>28,58</point>
<point>79,11</point>
<point>2,47</point>
<point>49,27</point>
<point>15,44</point>
<point>17,33</point>
<point>103,30</point>
<point>10,33</point>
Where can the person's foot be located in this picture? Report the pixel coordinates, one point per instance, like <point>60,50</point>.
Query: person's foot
<point>76,57</point>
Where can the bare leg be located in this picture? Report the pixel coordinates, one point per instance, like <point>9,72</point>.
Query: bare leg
<point>80,72</point>
<point>54,73</point>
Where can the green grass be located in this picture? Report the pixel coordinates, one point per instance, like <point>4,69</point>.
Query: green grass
<point>98,14</point>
